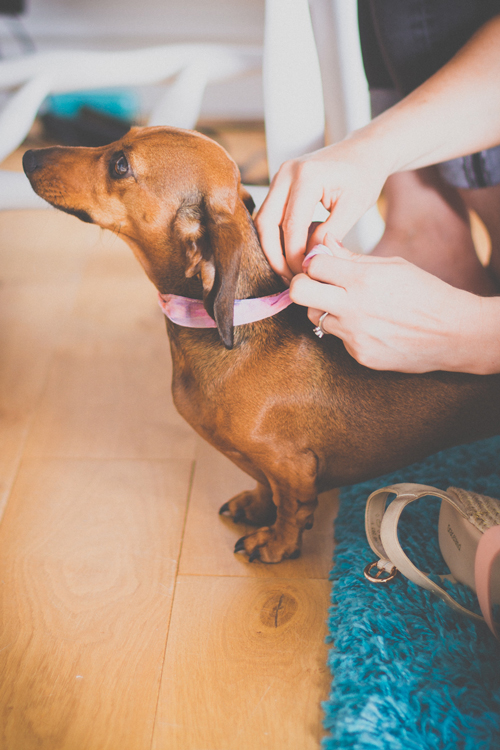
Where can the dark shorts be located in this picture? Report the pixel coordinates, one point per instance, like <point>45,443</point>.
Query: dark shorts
<point>404,42</point>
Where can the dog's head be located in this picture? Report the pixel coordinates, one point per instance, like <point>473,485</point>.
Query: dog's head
<point>173,195</point>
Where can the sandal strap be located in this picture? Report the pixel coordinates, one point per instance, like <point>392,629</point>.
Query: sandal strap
<point>382,533</point>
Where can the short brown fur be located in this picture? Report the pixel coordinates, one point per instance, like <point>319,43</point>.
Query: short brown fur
<point>296,413</point>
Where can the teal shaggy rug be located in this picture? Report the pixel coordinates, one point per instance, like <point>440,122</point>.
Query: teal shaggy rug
<point>408,672</point>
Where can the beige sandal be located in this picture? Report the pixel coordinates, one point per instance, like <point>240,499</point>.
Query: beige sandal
<point>469,538</point>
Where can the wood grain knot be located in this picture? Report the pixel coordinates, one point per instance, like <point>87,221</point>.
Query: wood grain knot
<point>278,609</point>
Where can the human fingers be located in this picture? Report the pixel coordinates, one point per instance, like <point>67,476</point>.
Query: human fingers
<point>304,196</point>
<point>333,249</point>
<point>334,270</point>
<point>337,248</point>
<point>310,293</point>
<point>321,177</point>
<point>330,323</point>
<point>343,216</point>
<point>268,223</point>
<point>348,269</point>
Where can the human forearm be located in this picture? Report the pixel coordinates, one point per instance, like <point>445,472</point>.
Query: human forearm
<point>455,112</point>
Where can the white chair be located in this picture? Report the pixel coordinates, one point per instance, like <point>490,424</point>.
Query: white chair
<point>33,77</point>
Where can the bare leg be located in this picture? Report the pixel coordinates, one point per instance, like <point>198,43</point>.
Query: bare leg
<point>486,203</point>
<point>428,224</point>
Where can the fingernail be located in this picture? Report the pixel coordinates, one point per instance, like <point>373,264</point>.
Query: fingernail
<point>333,240</point>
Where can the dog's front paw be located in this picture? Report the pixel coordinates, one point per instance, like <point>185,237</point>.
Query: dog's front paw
<point>253,507</point>
<point>268,546</point>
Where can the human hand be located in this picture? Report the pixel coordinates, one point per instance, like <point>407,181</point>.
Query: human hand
<point>391,315</point>
<point>346,178</point>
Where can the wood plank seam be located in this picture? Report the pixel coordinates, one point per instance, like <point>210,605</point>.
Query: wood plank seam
<point>186,509</point>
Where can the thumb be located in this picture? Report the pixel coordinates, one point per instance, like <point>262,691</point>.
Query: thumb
<point>338,250</point>
<point>341,220</point>
<point>335,264</point>
<point>333,249</point>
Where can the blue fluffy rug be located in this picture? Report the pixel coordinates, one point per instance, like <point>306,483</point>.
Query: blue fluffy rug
<point>408,672</point>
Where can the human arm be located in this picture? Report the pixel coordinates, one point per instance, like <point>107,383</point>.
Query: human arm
<point>455,112</point>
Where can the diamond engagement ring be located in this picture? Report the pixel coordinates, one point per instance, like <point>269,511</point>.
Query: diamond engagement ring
<point>319,330</point>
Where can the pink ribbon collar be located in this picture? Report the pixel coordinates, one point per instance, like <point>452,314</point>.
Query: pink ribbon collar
<point>190,313</point>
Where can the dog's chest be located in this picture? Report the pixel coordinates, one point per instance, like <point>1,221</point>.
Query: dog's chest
<point>204,394</point>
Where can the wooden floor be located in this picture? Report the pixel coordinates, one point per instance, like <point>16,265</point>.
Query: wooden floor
<point>127,622</point>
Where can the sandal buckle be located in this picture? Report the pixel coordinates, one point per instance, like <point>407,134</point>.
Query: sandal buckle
<point>389,575</point>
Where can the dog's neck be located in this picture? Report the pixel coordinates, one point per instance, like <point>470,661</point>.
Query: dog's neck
<point>256,277</point>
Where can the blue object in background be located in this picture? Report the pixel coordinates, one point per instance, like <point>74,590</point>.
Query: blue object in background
<point>121,103</point>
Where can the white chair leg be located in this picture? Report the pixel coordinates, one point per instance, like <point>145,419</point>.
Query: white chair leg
<point>191,65</point>
<point>347,103</point>
<point>19,113</point>
<point>180,105</point>
<point>293,98</point>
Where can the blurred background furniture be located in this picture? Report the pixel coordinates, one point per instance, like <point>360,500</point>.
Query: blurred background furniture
<point>308,66</point>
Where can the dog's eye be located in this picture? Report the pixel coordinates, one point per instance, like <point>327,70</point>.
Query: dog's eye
<point>119,167</point>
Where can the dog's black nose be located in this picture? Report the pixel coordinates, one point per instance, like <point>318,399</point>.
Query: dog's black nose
<point>30,162</point>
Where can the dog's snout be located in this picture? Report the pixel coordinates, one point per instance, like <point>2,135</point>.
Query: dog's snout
<point>30,161</point>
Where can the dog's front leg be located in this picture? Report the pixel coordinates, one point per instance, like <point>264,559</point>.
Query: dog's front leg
<point>295,502</point>
<point>255,507</point>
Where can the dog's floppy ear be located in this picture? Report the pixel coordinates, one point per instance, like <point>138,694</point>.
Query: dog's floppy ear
<point>226,245</point>
<point>214,247</point>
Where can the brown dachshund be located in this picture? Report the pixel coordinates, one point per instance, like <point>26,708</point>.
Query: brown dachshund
<point>296,413</point>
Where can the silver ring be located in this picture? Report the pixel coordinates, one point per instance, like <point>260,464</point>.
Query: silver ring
<point>319,330</point>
